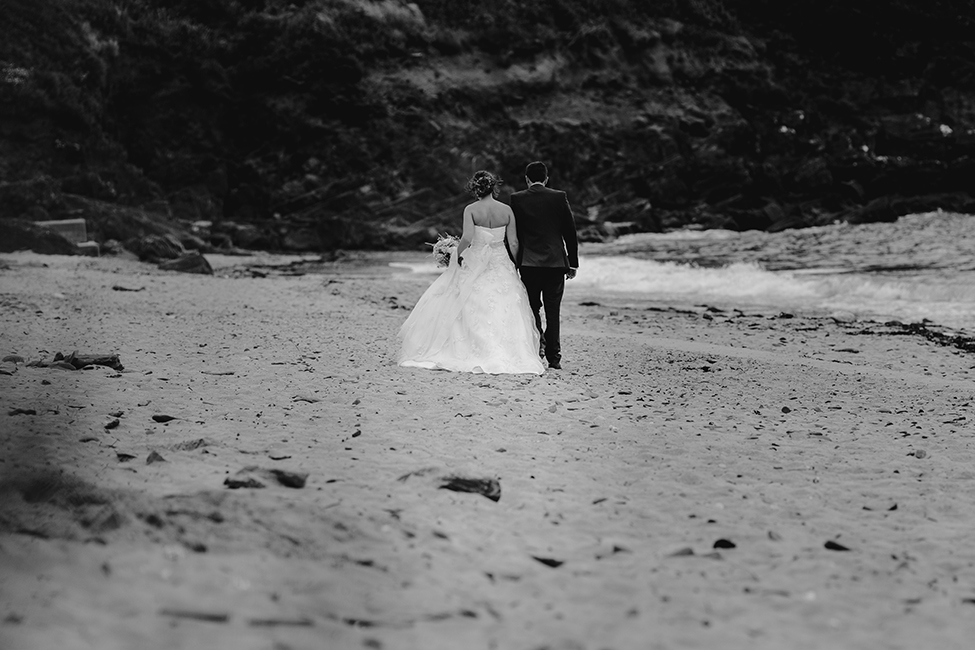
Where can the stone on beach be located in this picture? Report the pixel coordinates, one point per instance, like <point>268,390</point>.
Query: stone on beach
<point>251,477</point>
<point>192,262</point>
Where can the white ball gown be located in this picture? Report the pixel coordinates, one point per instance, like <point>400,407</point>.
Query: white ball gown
<point>475,317</point>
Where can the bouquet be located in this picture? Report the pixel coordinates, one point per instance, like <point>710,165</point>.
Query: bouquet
<point>445,247</point>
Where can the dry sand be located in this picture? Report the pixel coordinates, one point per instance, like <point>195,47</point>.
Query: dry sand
<point>667,434</point>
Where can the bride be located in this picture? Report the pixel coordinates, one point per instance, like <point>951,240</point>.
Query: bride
<point>475,317</point>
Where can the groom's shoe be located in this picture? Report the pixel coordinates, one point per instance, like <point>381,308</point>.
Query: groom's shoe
<point>555,365</point>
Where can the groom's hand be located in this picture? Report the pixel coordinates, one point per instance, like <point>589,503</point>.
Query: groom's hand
<point>570,273</point>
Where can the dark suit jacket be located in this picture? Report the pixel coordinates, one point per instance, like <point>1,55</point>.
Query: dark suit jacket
<point>546,229</point>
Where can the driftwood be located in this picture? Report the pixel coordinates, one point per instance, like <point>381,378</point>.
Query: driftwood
<point>79,360</point>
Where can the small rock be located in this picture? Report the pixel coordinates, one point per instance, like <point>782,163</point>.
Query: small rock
<point>192,262</point>
<point>786,409</point>
<point>724,543</point>
<point>19,411</point>
<point>234,482</point>
<point>116,414</point>
<point>489,487</point>
<point>683,552</point>
<point>289,479</point>
<point>154,457</point>
<point>209,617</point>
<point>13,358</point>
<point>920,453</point>
<point>247,477</point>
<point>189,445</point>
<point>549,562</point>
<point>111,425</point>
<point>124,457</point>
<point>163,418</point>
<point>835,546</point>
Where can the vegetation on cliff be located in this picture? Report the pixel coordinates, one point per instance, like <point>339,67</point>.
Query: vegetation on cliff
<point>323,124</point>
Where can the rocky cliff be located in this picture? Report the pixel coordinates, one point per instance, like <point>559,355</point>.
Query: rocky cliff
<point>325,124</point>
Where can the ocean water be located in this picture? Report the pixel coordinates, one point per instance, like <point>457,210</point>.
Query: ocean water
<point>919,267</point>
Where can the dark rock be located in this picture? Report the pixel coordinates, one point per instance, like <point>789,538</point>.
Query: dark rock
<point>724,543</point>
<point>835,546</point>
<point>154,457</point>
<point>248,477</point>
<point>18,235</point>
<point>489,487</point>
<point>196,615</point>
<point>243,235</point>
<point>192,262</point>
<point>236,482</point>
<point>81,360</point>
<point>20,411</point>
<point>162,418</point>
<point>289,479</point>
<point>122,223</point>
<point>549,562</point>
<point>189,445</point>
<point>301,240</point>
<point>153,248</point>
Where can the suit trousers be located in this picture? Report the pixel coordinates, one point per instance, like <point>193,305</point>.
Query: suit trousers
<point>545,287</point>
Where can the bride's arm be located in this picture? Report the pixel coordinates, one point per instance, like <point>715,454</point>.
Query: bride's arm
<point>511,232</point>
<point>468,234</point>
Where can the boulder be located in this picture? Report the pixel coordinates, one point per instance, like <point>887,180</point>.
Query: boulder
<point>192,262</point>
<point>18,235</point>
<point>153,248</point>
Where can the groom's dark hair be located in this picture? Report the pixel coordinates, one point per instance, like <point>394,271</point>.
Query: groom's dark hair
<point>536,172</point>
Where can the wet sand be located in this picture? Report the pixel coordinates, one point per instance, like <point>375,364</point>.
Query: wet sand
<point>692,478</point>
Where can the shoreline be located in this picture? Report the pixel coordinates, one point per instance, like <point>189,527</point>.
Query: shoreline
<point>685,479</point>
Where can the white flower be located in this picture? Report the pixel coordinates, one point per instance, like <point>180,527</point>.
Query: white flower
<point>444,248</point>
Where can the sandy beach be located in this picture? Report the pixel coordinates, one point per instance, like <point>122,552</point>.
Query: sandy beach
<point>695,477</point>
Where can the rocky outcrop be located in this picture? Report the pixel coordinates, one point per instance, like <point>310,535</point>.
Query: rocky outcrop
<point>712,114</point>
<point>20,235</point>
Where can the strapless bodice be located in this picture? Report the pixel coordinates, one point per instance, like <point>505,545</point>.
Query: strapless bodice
<point>488,236</point>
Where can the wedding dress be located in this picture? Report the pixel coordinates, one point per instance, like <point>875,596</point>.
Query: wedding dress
<point>475,317</point>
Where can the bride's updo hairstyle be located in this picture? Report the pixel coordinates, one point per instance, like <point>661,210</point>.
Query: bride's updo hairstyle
<point>483,183</point>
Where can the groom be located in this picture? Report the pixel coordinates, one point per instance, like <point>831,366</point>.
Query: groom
<point>549,252</point>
